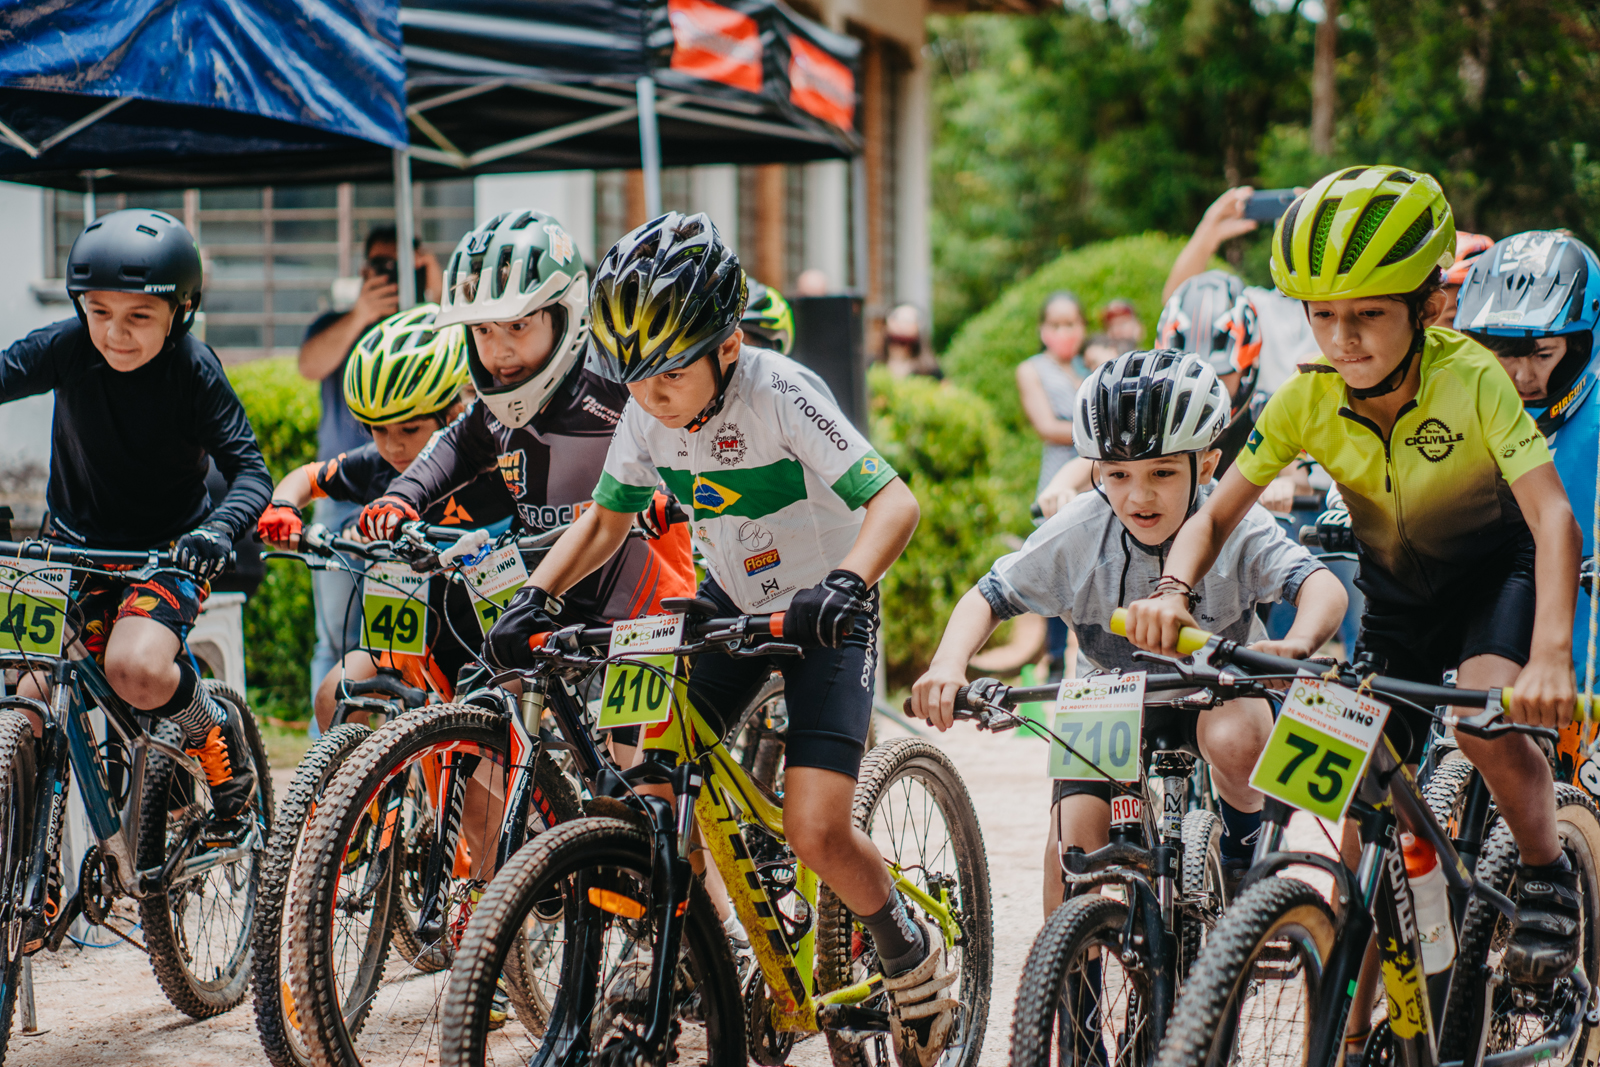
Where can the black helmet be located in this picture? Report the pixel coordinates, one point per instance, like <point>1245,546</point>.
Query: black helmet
<point>665,294</point>
<point>1144,405</point>
<point>137,251</point>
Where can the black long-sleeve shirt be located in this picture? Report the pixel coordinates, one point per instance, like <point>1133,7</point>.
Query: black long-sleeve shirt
<point>128,449</point>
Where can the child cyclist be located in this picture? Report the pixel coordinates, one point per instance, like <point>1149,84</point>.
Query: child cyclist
<point>1469,552</point>
<point>1152,420</point>
<point>139,405</point>
<point>793,512</point>
<point>403,382</point>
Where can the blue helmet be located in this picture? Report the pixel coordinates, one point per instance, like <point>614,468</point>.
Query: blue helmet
<point>1543,283</point>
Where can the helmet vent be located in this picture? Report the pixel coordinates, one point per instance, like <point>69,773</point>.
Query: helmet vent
<point>522,221</point>
<point>1320,228</point>
<point>82,270</point>
<point>130,270</point>
<point>1404,177</point>
<point>1411,240</point>
<point>147,229</point>
<point>95,225</point>
<point>1288,227</point>
<point>502,272</point>
<point>1352,173</point>
<point>1372,217</point>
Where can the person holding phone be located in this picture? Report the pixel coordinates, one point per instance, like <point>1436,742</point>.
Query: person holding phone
<point>323,355</point>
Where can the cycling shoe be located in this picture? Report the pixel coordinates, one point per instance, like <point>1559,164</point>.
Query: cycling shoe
<point>225,758</point>
<point>1544,935</point>
<point>922,1019</point>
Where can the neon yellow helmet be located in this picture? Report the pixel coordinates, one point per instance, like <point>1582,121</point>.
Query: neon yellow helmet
<point>405,368</point>
<point>768,321</point>
<point>1362,232</point>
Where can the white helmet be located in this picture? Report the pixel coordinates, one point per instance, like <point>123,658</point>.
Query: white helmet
<point>511,266</point>
<point>1142,405</point>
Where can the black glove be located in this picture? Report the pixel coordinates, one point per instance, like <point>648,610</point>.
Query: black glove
<point>825,613</point>
<point>1333,530</point>
<point>203,551</point>
<point>522,627</point>
<point>662,513</point>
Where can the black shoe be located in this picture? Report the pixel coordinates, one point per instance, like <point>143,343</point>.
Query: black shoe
<point>1544,935</point>
<point>225,757</point>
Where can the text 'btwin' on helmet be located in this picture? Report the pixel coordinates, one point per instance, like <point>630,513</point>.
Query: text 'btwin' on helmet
<point>406,367</point>
<point>515,264</point>
<point>768,321</point>
<point>1144,405</point>
<point>1363,232</point>
<point>1211,316</point>
<point>666,294</point>
<point>137,250</point>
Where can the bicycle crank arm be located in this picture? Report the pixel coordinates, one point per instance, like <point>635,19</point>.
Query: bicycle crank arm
<point>851,1019</point>
<point>194,868</point>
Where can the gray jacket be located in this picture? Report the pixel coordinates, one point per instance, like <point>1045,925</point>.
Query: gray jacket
<point>1082,564</point>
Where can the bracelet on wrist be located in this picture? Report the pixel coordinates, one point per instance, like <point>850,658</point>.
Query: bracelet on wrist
<point>1168,584</point>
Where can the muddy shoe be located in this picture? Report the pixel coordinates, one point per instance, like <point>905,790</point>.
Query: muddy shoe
<point>1544,935</point>
<point>920,1018</point>
<point>499,1005</point>
<point>225,758</point>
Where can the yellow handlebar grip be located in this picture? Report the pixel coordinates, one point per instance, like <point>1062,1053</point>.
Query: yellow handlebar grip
<point>1189,639</point>
<point>1579,712</point>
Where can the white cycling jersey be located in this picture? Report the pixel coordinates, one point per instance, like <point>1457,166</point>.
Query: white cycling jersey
<point>777,479</point>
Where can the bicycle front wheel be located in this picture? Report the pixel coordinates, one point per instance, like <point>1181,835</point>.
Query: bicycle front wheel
<point>589,882</point>
<point>915,807</point>
<point>17,777</point>
<point>1250,995</point>
<point>1078,1003</point>
<point>198,927</point>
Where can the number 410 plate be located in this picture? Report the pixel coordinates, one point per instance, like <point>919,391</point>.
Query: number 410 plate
<point>1319,747</point>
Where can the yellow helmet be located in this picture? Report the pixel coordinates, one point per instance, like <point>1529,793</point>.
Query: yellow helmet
<point>405,368</point>
<point>1362,232</point>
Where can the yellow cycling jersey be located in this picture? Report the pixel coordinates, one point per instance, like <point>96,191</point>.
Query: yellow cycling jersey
<point>1434,497</point>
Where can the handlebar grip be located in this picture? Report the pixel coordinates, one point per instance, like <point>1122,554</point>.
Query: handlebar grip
<point>468,545</point>
<point>1308,502</point>
<point>1035,510</point>
<point>1189,639</point>
<point>1579,712</point>
<point>1310,537</point>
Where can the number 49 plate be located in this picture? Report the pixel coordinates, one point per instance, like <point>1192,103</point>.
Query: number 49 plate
<point>1319,747</point>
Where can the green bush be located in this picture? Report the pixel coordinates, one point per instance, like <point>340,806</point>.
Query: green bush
<point>945,442</point>
<point>984,354</point>
<point>279,623</point>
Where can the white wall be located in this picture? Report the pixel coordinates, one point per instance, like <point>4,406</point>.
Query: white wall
<point>828,220</point>
<point>714,189</point>
<point>913,282</point>
<point>566,194</point>
<point>24,424</point>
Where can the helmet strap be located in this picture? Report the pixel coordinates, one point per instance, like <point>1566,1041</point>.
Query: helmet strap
<point>1397,377</point>
<point>722,378</point>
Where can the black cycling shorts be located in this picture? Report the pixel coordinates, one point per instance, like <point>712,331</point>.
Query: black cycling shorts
<point>1165,729</point>
<point>1492,614</point>
<point>828,691</point>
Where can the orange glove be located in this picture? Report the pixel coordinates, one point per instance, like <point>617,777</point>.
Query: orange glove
<point>381,519</point>
<point>280,524</point>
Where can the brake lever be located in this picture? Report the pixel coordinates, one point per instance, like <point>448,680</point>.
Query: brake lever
<point>1489,724</point>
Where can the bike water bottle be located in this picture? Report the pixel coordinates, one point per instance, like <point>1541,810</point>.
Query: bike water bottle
<point>1429,892</point>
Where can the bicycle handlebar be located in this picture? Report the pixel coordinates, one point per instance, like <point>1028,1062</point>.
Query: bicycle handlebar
<point>77,555</point>
<point>1191,640</point>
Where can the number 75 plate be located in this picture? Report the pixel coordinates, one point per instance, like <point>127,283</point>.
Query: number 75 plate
<point>1319,747</point>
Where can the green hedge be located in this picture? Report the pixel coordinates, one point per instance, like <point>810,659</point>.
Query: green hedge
<point>984,354</point>
<point>946,442</point>
<point>279,623</point>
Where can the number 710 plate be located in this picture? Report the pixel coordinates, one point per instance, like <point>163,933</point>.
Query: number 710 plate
<point>1102,718</point>
<point>1319,747</point>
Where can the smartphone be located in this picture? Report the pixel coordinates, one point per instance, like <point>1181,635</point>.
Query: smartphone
<point>1268,204</point>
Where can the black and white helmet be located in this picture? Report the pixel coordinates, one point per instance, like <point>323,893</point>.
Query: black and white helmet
<point>1142,405</point>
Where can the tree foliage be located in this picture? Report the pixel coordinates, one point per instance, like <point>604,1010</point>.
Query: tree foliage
<point>1080,125</point>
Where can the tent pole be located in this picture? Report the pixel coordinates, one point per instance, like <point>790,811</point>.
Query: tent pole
<point>405,226</point>
<point>649,146</point>
<point>88,198</point>
<point>858,223</point>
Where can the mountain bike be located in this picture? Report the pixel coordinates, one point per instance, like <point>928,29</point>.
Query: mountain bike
<point>646,974</point>
<point>1276,981</point>
<point>147,800</point>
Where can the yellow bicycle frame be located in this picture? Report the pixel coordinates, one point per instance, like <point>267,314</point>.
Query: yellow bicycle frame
<point>730,796</point>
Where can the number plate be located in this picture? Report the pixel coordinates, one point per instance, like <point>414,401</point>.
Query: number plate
<point>1319,747</point>
<point>1102,718</point>
<point>394,609</point>
<point>33,604</point>
<point>493,581</point>
<point>631,695</point>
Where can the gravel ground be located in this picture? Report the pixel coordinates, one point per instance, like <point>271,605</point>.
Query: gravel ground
<point>103,1006</point>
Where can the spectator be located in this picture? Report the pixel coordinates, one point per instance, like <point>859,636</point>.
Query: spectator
<point>1120,320</point>
<point>812,282</point>
<point>903,352</point>
<point>1098,349</point>
<point>327,344</point>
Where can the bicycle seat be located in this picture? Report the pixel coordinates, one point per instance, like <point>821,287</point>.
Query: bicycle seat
<point>388,684</point>
<point>690,605</point>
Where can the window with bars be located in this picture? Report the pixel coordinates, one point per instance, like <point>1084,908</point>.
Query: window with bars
<point>272,253</point>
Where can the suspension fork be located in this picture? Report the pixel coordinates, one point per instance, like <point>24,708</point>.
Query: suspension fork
<point>446,838</point>
<point>671,879</point>
<point>522,771</point>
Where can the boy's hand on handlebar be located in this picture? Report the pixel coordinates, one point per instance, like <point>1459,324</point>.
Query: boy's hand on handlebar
<point>933,696</point>
<point>1153,623</point>
<point>1289,648</point>
<point>280,525</point>
<point>1544,693</point>
<point>381,519</point>
<point>527,620</point>
<point>203,551</point>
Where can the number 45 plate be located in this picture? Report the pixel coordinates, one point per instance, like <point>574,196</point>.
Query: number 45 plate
<point>1319,747</point>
